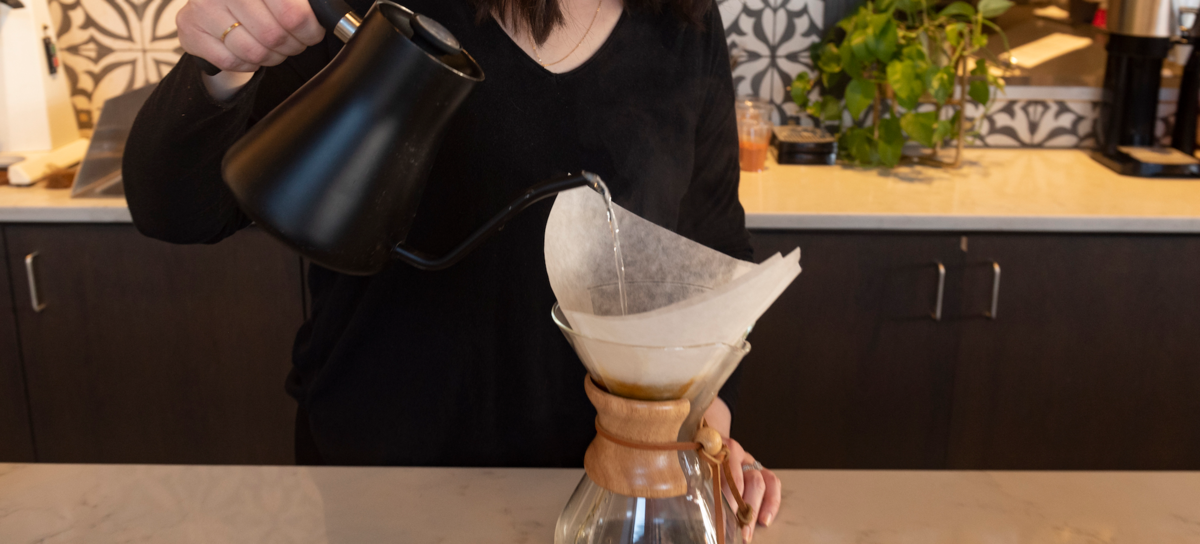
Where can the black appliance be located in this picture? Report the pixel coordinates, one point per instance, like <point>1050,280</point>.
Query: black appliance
<point>1141,34</point>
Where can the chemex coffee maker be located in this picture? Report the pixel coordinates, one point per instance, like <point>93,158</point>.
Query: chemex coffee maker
<point>337,170</point>
<point>1141,34</point>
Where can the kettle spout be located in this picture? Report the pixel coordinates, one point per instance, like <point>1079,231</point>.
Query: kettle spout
<point>542,190</point>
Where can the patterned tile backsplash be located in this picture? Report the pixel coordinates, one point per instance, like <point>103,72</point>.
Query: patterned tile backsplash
<point>770,40</point>
<point>110,47</point>
<point>113,46</point>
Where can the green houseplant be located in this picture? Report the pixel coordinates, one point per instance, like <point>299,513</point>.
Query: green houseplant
<point>894,57</point>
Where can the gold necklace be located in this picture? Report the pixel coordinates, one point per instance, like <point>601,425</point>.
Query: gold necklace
<point>572,52</point>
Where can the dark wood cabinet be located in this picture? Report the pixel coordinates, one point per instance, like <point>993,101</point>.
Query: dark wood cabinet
<point>16,442</point>
<point>149,352</point>
<point>849,369</point>
<point>1093,361</point>
<point>153,353</point>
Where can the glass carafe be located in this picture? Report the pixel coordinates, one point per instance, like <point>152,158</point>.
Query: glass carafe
<point>669,494</point>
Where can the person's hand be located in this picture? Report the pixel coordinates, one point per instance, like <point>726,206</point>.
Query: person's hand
<point>760,488</point>
<point>243,35</point>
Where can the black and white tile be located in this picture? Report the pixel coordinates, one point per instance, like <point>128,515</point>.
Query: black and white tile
<point>1052,123</point>
<point>1037,123</point>
<point>109,47</point>
<point>770,42</point>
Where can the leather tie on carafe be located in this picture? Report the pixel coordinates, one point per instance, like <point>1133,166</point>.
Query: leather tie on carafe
<point>714,456</point>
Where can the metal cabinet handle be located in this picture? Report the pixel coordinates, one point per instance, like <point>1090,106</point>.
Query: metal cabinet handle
<point>991,314</point>
<point>941,291</point>
<point>31,274</point>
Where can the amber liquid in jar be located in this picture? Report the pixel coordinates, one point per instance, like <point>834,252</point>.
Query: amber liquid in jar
<point>752,155</point>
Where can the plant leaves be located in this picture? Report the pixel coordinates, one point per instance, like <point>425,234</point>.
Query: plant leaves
<point>922,72</point>
<point>980,68</point>
<point>993,8</point>
<point>830,59</point>
<point>979,40</point>
<point>958,8</point>
<point>886,41</point>
<point>920,126</point>
<point>979,92</point>
<point>876,30</point>
<point>885,5</point>
<point>847,143</point>
<point>906,84</point>
<point>860,93</point>
<point>862,18</point>
<point>914,51</point>
<point>891,142</point>
<point>829,79</point>
<point>910,6</point>
<point>859,145</point>
<point>800,88</point>
<point>831,108</point>
<point>850,62</point>
<point>945,128</point>
<point>931,70</point>
<point>942,86</point>
<point>978,89</point>
<point>851,21</point>
<point>875,22</point>
<point>954,34</point>
<point>858,43</point>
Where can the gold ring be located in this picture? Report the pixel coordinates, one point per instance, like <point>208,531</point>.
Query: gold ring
<point>228,30</point>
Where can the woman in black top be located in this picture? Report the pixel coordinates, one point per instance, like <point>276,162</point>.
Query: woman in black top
<point>464,366</point>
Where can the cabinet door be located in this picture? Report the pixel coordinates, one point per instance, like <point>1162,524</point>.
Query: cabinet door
<point>1093,360</point>
<point>148,352</point>
<point>16,444</point>
<point>848,369</point>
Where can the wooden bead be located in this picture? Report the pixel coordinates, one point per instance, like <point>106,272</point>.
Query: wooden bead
<point>745,515</point>
<point>710,439</point>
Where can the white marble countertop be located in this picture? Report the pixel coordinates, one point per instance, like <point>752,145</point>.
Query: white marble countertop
<point>1032,190</point>
<point>109,504</point>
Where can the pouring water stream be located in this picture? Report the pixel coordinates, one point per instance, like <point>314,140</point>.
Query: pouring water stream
<point>600,187</point>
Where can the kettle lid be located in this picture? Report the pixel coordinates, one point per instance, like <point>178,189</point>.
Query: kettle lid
<point>436,34</point>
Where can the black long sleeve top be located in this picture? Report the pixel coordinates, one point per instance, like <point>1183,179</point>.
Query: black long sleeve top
<point>464,367</point>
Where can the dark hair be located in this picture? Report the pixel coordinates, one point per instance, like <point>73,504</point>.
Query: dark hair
<point>540,17</point>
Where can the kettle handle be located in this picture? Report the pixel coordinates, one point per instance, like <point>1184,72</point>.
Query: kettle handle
<point>335,15</point>
<point>542,190</point>
<point>331,12</point>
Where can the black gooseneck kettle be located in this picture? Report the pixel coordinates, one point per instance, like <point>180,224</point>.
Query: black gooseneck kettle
<point>337,170</point>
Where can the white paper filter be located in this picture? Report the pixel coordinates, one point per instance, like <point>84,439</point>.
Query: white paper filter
<point>679,293</point>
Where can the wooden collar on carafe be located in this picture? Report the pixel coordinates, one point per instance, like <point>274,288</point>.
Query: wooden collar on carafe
<point>712,449</point>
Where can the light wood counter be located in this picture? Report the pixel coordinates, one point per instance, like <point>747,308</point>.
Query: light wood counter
<point>1031,190</point>
<point>37,204</point>
<point>109,504</point>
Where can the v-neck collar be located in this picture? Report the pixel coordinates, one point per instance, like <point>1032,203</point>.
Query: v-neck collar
<point>532,63</point>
